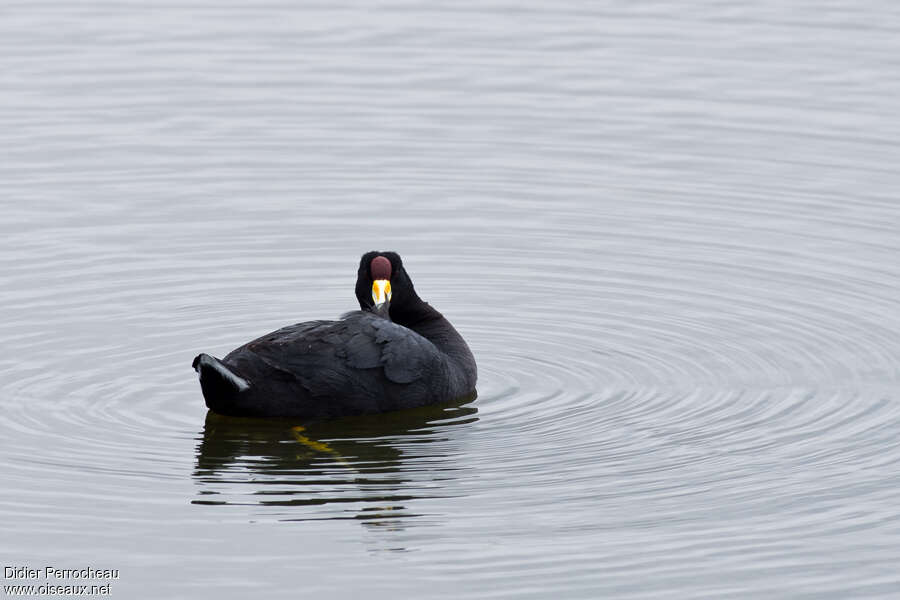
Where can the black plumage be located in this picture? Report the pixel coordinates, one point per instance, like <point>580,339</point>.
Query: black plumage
<point>401,354</point>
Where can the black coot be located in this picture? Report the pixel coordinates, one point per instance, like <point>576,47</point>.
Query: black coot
<point>396,352</point>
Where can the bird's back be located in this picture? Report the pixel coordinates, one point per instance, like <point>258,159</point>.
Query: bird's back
<point>360,364</point>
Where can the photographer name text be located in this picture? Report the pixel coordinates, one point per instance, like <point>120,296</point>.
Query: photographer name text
<point>58,573</point>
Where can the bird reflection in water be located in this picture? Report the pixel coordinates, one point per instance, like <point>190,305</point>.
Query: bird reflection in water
<point>368,468</point>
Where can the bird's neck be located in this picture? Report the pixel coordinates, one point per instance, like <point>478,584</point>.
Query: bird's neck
<point>415,315</point>
<point>426,321</point>
<point>433,326</point>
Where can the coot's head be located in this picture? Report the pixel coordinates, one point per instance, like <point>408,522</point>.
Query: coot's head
<point>383,283</point>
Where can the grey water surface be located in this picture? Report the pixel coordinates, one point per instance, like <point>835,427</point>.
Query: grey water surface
<point>670,232</point>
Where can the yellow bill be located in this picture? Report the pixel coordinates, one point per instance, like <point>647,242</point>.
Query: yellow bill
<point>381,291</point>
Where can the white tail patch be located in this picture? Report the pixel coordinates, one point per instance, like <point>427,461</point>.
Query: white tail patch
<point>239,383</point>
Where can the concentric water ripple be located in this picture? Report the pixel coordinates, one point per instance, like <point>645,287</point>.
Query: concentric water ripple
<point>668,233</point>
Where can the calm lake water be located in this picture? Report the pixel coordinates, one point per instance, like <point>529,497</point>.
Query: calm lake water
<point>670,232</point>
